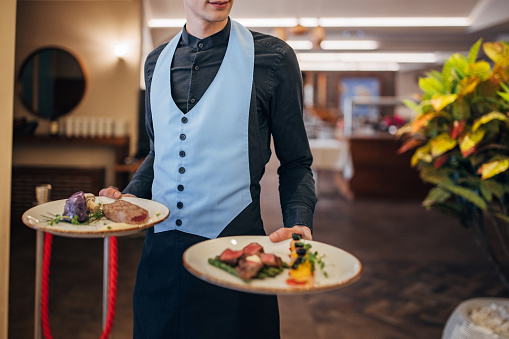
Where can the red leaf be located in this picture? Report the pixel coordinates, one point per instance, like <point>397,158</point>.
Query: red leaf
<point>440,161</point>
<point>409,144</point>
<point>456,129</point>
<point>469,151</point>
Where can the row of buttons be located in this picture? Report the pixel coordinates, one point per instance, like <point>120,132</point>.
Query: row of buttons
<point>181,170</point>
<point>196,68</point>
<point>182,153</point>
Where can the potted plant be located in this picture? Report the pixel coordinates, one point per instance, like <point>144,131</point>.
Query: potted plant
<point>460,139</point>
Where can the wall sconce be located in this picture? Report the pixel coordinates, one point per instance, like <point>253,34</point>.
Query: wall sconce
<point>121,50</point>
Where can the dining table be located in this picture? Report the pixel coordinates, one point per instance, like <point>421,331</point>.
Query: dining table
<point>333,155</point>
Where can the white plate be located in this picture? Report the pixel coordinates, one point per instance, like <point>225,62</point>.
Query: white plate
<point>342,267</point>
<point>37,217</point>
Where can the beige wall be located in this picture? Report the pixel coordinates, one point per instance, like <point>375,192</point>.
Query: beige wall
<point>89,30</point>
<point>7,38</point>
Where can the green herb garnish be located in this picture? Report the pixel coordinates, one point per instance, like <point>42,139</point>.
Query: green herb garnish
<point>91,217</point>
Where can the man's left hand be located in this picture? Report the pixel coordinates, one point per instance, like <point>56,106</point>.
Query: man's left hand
<point>286,233</point>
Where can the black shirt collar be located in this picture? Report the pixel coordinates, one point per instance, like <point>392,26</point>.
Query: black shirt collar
<point>209,42</point>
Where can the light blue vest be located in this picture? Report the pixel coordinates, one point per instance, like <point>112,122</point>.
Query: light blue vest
<point>201,166</point>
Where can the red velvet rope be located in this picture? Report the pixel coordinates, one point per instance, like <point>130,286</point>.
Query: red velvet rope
<point>48,240</point>
<point>112,286</point>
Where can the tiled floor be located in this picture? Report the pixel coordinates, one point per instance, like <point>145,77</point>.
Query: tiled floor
<point>417,267</point>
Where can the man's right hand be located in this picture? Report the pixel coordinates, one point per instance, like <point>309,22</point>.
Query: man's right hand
<point>113,193</point>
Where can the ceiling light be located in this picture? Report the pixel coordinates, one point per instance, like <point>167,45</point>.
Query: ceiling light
<point>396,22</point>
<point>300,44</point>
<point>268,22</point>
<point>348,66</point>
<point>335,22</point>
<point>309,22</point>
<point>349,44</point>
<point>369,57</point>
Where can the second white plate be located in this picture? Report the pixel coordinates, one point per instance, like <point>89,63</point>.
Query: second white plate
<point>342,267</point>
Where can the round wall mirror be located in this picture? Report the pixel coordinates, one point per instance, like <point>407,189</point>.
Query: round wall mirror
<point>52,83</point>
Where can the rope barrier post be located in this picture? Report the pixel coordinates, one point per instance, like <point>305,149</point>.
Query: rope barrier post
<point>43,257</point>
<point>38,278</point>
<point>42,195</point>
<point>106,260</point>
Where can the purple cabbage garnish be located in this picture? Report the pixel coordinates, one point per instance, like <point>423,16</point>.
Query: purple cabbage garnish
<point>76,205</point>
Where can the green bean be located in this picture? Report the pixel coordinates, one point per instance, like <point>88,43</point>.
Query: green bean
<point>261,275</point>
<point>218,263</point>
<point>272,272</point>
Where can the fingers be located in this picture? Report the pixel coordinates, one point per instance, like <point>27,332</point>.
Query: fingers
<point>110,192</point>
<point>286,233</point>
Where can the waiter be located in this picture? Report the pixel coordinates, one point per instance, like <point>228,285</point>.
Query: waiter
<point>215,95</point>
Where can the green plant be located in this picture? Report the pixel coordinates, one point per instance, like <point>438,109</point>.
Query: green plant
<point>461,139</point>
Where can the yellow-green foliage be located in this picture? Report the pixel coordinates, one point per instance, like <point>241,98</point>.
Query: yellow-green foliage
<point>461,131</point>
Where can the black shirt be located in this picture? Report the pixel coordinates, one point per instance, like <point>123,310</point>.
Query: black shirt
<point>276,109</point>
<point>194,66</point>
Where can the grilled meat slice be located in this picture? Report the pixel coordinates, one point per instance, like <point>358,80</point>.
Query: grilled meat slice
<point>231,257</point>
<point>248,269</point>
<point>272,260</point>
<point>253,248</point>
<point>125,212</point>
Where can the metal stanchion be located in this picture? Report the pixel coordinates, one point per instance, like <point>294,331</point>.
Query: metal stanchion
<point>42,195</point>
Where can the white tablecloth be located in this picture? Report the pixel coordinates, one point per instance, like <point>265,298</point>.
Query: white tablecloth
<point>332,155</point>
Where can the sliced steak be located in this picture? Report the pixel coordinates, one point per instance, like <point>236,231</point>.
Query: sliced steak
<point>269,259</point>
<point>253,248</point>
<point>125,212</point>
<point>231,257</point>
<point>247,269</point>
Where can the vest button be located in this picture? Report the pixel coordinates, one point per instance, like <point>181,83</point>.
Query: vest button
<point>182,170</point>
<point>180,188</point>
<point>180,204</point>
<point>184,120</point>
<point>182,136</point>
<point>196,68</point>
<point>182,154</point>
<point>193,100</point>
<point>178,222</point>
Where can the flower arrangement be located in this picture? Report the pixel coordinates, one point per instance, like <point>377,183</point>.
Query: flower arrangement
<point>460,135</point>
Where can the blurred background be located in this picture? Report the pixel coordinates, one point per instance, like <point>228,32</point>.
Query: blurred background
<point>72,97</point>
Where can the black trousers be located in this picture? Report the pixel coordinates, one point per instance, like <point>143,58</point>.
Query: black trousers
<point>171,303</point>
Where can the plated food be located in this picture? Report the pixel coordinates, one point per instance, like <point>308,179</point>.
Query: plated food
<point>342,268</point>
<point>86,215</point>
<point>249,263</point>
<point>81,208</point>
<point>252,262</point>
